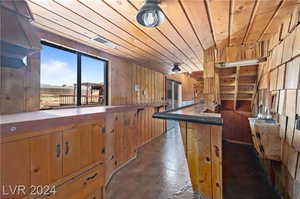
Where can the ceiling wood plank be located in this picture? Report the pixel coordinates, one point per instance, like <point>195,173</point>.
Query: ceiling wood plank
<point>139,37</point>
<point>109,31</point>
<point>219,15</point>
<point>241,13</point>
<point>284,10</point>
<point>54,27</point>
<point>178,18</point>
<point>73,21</point>
<point>265,11</point>
<point>129,11</point>
<point>198,16</point>
<point>173,36</point>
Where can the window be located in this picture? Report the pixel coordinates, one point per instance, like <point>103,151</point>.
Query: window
<point>71,78</point>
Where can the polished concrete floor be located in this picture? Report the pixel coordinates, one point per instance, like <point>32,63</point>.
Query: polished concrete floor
<point>160,172</point>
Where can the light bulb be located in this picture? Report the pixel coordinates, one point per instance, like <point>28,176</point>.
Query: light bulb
<point>150,15</point>
<point>150,18</point>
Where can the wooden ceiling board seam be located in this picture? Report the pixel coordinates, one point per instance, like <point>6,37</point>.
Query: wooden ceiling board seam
<point>64,34</point>
<point>72,23</point>
<point>263,13</point>
<point>104,30</point>
<point>180,22</point>
<point>66,28</point>
<point>219,14</point>
<point>186,59</point>
<point>195,54</point>
<point>210,21</point>
<point>141,30</point>
<point>199,20</point>
<point>167,22</point>
<point>272,18</point>
<point>126,53</point>
<point>189,20</point>
<point>125,30</point>
<point>241,13</point>
<point>230,20</point>
<point>250,24</point>
<point>194,64</point>
<point>282,12</point>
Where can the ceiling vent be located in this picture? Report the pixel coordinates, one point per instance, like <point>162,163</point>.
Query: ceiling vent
<point>105,42</point>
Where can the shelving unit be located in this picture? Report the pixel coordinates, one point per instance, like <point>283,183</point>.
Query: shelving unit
<point>238,83</point>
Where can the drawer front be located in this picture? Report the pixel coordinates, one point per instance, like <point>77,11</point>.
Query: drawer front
<point>81,187</point>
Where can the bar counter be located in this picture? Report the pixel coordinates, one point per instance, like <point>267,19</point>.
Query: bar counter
<point>201,132</point>
<point>199,113</point>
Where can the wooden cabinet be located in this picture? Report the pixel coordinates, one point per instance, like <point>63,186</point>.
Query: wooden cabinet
<point>15,166</point>
<point>81,187</point>
<point>98,142</point>
<point>83,145</point>
<point>125,137</point>
<point>71,151</point>
<point>97,195</point>
<point>266,138</point>
<point>46,158</point>
<point>109,148</point>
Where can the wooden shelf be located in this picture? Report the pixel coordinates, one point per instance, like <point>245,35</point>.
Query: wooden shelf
<point>246,92</point>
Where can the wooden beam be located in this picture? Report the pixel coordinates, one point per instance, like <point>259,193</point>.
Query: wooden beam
<point>236,86</point>
<point>250,24</point>
<point>219,15</point>
<point>199,18</point>
<point>264,11</point>
<point>241,13</point>
<point>272,18</point>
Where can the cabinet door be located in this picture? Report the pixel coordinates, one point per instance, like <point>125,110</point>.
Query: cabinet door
<point>96,195</point>
<point>46,158</point>
<point>85,132</point>
<point>109,148</point>
<point>15,168</point>
<point>82,186</point>
<point>98,142</point>
<point>71,151</point>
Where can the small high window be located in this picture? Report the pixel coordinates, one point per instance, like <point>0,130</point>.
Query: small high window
<point>70,78</point>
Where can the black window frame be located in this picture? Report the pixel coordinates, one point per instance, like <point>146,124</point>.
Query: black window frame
<point>79,75</point>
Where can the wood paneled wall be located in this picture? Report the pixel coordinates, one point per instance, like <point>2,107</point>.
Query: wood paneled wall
<point>20,88</point>
<point>133,84</point>
<point>211,78</point>
<point>129,83</point>
<point>279,90</point>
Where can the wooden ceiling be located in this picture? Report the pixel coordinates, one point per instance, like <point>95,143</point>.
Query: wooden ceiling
<point>191,26</point>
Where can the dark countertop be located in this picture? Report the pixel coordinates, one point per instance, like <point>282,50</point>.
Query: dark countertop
<point>12,124</point>
<point>198,113</point>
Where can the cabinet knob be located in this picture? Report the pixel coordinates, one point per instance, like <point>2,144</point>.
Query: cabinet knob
<point>67,148</point>
<point>58,150</point>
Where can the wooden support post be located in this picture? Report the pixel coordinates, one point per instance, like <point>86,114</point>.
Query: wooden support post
<point>236,86</point>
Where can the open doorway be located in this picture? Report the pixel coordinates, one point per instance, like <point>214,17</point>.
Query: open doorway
<point>174,98</point>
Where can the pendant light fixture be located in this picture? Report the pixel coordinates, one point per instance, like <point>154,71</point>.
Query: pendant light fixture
<point>176,68</point>
<point>150,15</point>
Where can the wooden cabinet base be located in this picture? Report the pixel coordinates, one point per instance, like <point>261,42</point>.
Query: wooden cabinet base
<point>84,186</point>
<point>203,148</point>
